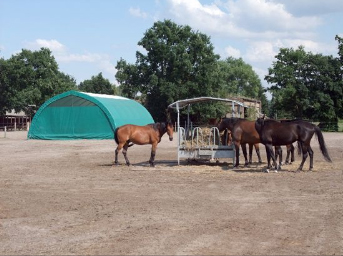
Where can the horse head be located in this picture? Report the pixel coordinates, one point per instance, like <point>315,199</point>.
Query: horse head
<point>170,130</point>
<point>259,124</point>
<point>227,123</point>
<point>221,124</point>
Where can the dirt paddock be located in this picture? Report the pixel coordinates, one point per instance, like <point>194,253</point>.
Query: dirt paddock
<point>65,197</point>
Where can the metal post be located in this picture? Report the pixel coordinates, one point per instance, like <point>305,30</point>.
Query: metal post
<point>233,109</point>
<point>178,132</point>
<point>189,108</point>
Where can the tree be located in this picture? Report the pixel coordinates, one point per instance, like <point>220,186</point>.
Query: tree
<point>30,78</point>
<point>97,84</point>
<point>178,63</point>
<point>237,78</point>
<point>306,85</point>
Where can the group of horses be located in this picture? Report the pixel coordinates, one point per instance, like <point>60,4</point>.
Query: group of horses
<point>269,132</point>
<point>274,133</point>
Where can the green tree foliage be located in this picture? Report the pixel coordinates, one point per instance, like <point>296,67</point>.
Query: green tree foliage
<point>237,78</point>
<point>178,63</point>
<point>30,78</point>
<point>306,85</point>
<point>97,84</point>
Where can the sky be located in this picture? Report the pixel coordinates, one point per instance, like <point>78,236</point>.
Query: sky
<point>87,37</point>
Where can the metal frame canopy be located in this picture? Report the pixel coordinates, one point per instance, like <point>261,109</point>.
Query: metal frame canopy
<point>214,151</point>
<point>180,104</point>
<point>183,103</point>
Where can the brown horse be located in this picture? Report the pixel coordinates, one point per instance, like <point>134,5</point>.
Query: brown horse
<point>274,133</point>
<point>226,139</point>
<point>243,132</point>
<point>141,135</point>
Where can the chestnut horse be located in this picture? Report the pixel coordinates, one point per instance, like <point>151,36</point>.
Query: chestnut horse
<point>274,133</point>
<point>226,139</point>
<point>243,132</point>
<point>141,135</point>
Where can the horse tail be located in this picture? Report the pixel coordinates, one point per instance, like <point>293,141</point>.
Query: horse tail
<point>322,144</point>
<point>116,136</point>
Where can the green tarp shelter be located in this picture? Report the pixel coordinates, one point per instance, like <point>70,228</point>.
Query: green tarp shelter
<point>80,115</point>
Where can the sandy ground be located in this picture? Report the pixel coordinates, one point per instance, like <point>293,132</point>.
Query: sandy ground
<point>65,197</point>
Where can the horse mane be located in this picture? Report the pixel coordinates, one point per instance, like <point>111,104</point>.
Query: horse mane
<point>233,119</point>
<point>160,126</point>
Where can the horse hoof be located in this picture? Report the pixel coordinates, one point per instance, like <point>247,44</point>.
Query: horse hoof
<point>266,170</point>
<point>128,164</point>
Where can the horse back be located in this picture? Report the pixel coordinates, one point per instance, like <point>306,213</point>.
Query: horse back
<point>137,134</point>
<point>287,132</point>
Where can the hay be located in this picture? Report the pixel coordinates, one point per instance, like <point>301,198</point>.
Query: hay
<point>202,137</point>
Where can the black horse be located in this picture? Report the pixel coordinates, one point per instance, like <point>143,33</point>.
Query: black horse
<point>273,133</point>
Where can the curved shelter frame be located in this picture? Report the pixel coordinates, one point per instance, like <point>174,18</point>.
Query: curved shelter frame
<point>80,115</point>
<point>196,151</point>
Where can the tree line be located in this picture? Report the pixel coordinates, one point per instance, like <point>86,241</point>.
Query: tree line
<point>178,63</point>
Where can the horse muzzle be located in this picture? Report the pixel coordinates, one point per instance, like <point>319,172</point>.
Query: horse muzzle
<point>171,138</point>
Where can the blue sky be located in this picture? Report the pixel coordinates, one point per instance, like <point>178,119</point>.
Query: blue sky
<point>89,36</point>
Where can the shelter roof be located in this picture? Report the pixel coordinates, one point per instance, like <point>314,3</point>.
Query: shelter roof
<point>183,103</point>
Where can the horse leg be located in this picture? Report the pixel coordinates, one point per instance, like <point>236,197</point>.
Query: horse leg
<point>305,154</point>
<point>120,146</point>
<point>278,154</point>
<point>310,151</point>
<point>257,149</point>
<point>268,158</point>
<point>290,152</point>
<point>269,148</point>
<point>125,153</point>
<point>278,151</point>
<point>250,153</point>
<point>237,145</point>
<point>153,153</point>
<point>244,149</point>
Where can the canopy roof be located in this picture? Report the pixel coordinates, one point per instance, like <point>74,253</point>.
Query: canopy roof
<point>80,115</point>
<point>183,103</point>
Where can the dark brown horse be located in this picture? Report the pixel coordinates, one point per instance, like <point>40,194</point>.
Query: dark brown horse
<point>274,133</point>
<point>141,135</point>
<point>243,132</point>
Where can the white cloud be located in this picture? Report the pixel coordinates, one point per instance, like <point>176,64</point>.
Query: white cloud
<point>242,19</point>
<point>233,52</point>
<point>53,45</point>
<point>62,55</point>
<point>137,12</point>
<point>88,57</point>
<point>260,52</point>
<point>310,7</point>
